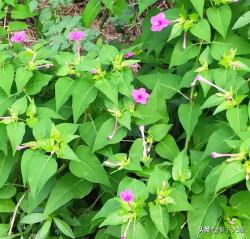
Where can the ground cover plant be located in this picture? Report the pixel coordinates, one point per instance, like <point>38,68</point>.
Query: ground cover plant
<point>124,119</point>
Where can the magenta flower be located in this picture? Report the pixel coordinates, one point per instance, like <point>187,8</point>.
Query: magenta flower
<point>93,71</point>
<point>135,67</point>
<point>127,196</point>
<point>159,22</point>
<point>129,54</point>
<point>140,96</point>
<point>76,35</point>
<point>18,37</point>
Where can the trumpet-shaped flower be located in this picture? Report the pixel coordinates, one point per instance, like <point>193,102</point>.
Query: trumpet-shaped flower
<point>159,22</point>
<point>76,35</point>
<point>18,37</point>
<point>129,54</point>
<point>127,196</point>
<point>140,96</point>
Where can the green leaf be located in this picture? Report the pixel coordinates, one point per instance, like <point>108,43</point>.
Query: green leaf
<point>114,218</point>
<point>217,141</point>
<point>63,90</point>
<point>5,101</point>
<point>179,196</point>
<point>4,138</point>
<point>29,204</point>
<point>64,227</point>
<point>175,31</point>
<point>6,164</point>
<point>4,229</point>
<point>220,46</point>
<point>198,5</point>
<point>15,133</point>
<point>144,4</point>
<point>220,18</point>
<point>25,162</point>
<point>238,118</point>
<point>202,30</point>
<point>242,21</point>
<point>67,188</point>
<point>33,218</point>
<point>7,191</point>
<point>22,77</point>
<point>160,217</point>
<point>167,148</point>
<point>180,171</point>
<point>107,54</point>
<point>67,153</point>
<point>154,110</point>
<point>83,95</point>
<point>109,5</point>
<point>41,168</point>
<point>169,83</point>
<point>189,115</point>
<point>19,106</point>
<point>106,130</point>
<point>181,56</point>
<point>6,206</point>
<point>158,131</point>
<point>21,11</point>
<point>135,155</point>
<point>89,167</point>
<point>207,212</point>
<point>44,231</point>
<point>136,230</point>
<point>157,179</point>
<point>110,205</point>
<point>6,78</point>
<point>232,173</point>
<point>108,89</point>
<point>37,82</point>
<point>240,203</point>
<point>91,10</point>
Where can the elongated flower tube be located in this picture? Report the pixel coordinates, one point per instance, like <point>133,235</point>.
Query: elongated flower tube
<point>124,236</point>
<point>110,137</point>
<point>184,42</point>
<point>218,155</point>
<point>202,79</point>
<point>144,143</point>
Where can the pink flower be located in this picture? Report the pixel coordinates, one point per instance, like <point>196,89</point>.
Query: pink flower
<point>127,196</point>
<point>135,67</point>
<point>140,96</point>
<point>18,37</point>
<point>76,35</point>
<point>93,71</point>
<point>129,54</point>
<point>158,22</point>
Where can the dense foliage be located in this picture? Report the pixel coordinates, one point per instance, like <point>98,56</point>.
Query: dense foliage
<point>147,139</point>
